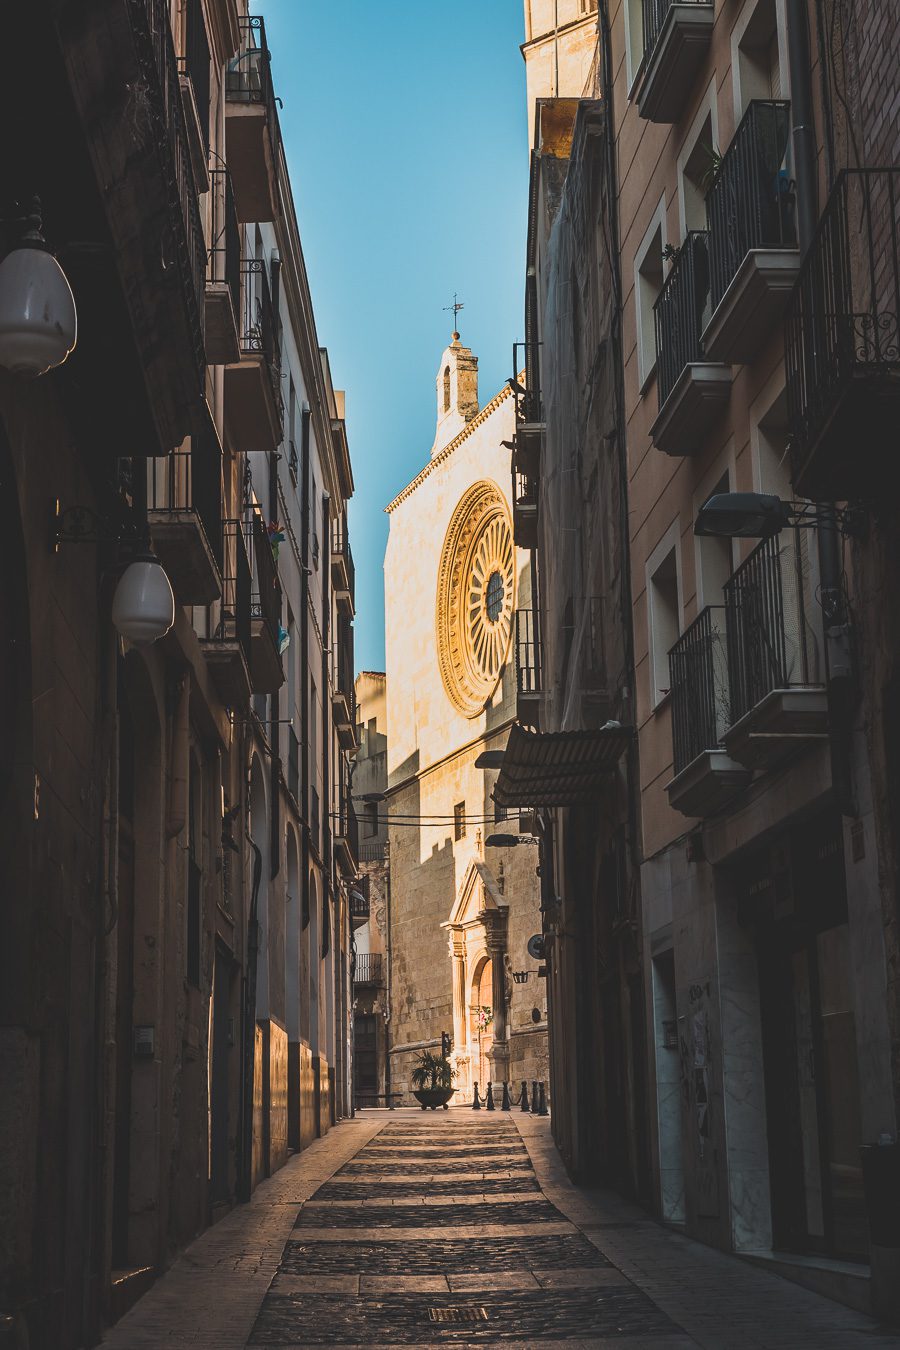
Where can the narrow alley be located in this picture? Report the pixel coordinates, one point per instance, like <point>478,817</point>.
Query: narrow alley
<point>404,1229</point>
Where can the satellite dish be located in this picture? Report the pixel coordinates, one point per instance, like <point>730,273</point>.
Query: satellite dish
<point>536,946</point>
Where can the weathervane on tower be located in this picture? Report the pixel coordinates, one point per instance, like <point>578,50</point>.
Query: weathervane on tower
<point>456,307</point>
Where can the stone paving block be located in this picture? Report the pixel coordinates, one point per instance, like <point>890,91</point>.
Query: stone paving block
<point>403,1284</point>
<point>493,1279</point>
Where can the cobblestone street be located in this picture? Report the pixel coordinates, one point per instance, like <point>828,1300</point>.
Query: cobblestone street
<point>411,1230</point>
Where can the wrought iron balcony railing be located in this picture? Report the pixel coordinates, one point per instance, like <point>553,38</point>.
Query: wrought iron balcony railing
<point>340,548</point>
<point>843,320</point>
<point>530,404</point>
<point>770,642</point>
<point>249,75</point>
<point>231,623</point>
<point>166,117</point>
<point>680,312</point>
<point>359,905</point>
<point>368,968</point>
<point>528,653</point>
<point>698,676</point>
<point>265,602</point>
<point>345,683</point>
<point>751,204</point>
<point>191,480</point>
<point>655,13</point>
<point>224,263</point>
<point>258,327</point>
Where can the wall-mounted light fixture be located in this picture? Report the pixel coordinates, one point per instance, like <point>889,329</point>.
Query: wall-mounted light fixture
<point>143,605</point>
<point>760,515</point>
<point>38,323</point>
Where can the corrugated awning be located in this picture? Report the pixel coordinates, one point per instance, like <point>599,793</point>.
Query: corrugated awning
<point>557,768</point>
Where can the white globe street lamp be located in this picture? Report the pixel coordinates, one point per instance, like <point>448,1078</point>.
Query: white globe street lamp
<point>143,607</point>
<point>38,324</point>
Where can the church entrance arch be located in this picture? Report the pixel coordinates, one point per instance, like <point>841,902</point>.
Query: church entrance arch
<point>481,1015</point>
<point>477,933</point>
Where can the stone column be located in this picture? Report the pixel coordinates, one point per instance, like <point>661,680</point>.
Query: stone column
<point>498,1055</point>
<point>460,1027</point>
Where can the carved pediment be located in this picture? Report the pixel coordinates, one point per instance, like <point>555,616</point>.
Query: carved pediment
<point>479,892</point>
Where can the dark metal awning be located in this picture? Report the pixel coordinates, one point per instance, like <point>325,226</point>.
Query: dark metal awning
<point>558,768</point>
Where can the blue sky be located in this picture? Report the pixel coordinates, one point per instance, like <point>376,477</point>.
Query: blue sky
<point>406,136</point>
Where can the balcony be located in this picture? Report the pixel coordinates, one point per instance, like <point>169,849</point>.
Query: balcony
<point>775,666</point>
<point>293,775</point>
<point>753,255</point>
<point>266,671</point>
<point>529,410</point>
<point>346,839</point>
<point>193,77</point>
<point>184,512</point>
<point>706,777</point>
<point>368,968</point>
<point>227,650</point>
<point>525,507</point>
<point>360,909</point>
<point>254,407</point>
<point>692,390</point>
<point>842,342</point>
<point>251,125</point>
<point>343,573</point>
<point>343,695</point>
<point>529,686</point>
<point>121,64</point>
<point>676,38</point>
<point>223,275</point>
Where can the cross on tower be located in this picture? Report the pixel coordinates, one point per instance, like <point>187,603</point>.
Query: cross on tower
<point>456,307</point>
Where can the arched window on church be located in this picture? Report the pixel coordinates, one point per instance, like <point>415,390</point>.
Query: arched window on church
<point>446,388</point>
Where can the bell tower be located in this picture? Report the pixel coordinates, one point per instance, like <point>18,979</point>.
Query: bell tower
<point>457,392</point>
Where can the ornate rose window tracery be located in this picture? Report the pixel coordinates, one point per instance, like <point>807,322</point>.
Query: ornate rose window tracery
<point>476,596</point>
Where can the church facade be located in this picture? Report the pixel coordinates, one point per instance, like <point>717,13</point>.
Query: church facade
<point>462,907</point>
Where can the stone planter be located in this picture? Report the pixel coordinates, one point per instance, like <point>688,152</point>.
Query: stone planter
<point>433,1097</point>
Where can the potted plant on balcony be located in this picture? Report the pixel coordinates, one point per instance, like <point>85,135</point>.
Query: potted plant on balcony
<point>432,1081</point>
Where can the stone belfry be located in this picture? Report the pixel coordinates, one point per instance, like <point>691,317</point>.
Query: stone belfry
<point>457,392</point>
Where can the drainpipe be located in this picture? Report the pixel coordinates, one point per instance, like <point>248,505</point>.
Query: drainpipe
<point>837,644</point>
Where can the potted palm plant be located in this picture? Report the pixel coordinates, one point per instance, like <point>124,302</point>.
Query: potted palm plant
<point>432,1081</point>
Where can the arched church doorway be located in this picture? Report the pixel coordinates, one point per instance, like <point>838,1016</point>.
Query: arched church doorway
<point>481,1034</point>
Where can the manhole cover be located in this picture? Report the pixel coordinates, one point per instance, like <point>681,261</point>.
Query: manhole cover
<point>458,1314</point>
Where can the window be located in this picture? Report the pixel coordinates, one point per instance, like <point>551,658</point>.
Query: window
<point>494,597</point>
<point>696,164</point>
<point>663,612</point>
<point>634,38</point>
<point>755,57</point>
<point>371,819</point>
<point>648,281</point>
<point>714,556</point>
<point>446,388</point>
<point>459,820</point>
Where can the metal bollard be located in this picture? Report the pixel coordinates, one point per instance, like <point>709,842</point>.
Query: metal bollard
<point>505,1105</point>
<point>523,1099</point>
<point>542,1100</point>
<point>476,1104</point>
<point>534,1096</point>
<point>490,1098</point>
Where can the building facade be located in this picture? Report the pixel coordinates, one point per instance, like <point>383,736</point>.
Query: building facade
<point>371,897</point>
<point>762,829</point>
<point>462,909</point>
<point>175,1006</point>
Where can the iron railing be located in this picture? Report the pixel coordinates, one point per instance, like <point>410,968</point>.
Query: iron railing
<point>224,263</point>
<point>524,489</point>
<point>258,327</point>
<point>153,39</point>
<point>680,312</point>
<point>293,460</point>
<point>368,968</point>
<point>293,777</point>
<point>233,622</point>
<point>751,203</point>
<point>698,677</point>
<point>843,318</point>
<point>340,544</point>
<point>345,683</point>
<point>195,63</point>
<point>528,653</point>
<point>348,825</point>
<point>654,18</point>
<point>249,75</point>
<point>191,480</point>
<point>770,645</point>
<point>265,600</point>
<point>530,404</point>
<point>376,850</point>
